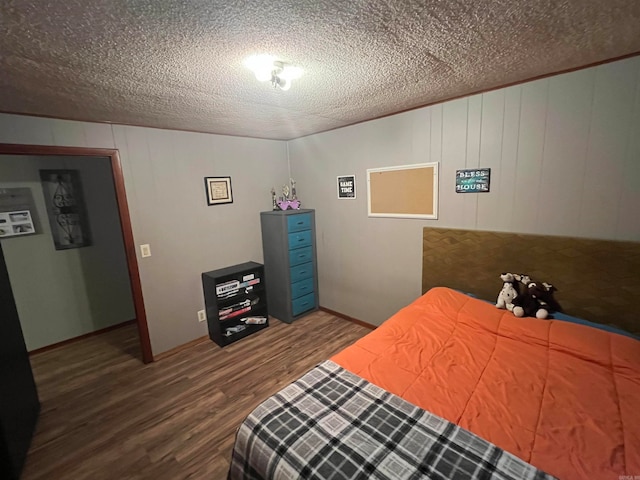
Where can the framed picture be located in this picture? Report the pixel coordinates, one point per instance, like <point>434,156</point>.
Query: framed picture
<point>16,223</point>
<point>347,186</point>
<point>218,190</point>
<point>66,208</point>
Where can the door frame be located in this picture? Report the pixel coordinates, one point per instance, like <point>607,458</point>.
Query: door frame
<point>125,221</point>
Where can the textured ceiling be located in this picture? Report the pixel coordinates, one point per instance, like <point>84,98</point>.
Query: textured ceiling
<point>178,63</point>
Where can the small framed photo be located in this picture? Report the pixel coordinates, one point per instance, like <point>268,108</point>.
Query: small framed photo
<point>218,190</point>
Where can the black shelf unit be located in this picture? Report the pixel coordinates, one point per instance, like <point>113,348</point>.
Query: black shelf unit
<point>231,296</point>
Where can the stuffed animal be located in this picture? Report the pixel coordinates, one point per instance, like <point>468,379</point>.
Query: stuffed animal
<point>508,292</point>
<point>536,301</point>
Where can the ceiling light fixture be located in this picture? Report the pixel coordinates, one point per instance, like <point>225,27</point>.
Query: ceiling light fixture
<point>267,68</point>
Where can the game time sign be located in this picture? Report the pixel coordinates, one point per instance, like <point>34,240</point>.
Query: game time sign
<point>347,186</point>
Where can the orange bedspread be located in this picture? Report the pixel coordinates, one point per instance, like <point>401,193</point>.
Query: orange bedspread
<point>564,397</point>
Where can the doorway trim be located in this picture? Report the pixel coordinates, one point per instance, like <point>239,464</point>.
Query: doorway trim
<point>125,221</point>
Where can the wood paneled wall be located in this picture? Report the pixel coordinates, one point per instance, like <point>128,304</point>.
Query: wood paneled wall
<point>564,156</point>
<point>163,172</point>
<point>563,153</point>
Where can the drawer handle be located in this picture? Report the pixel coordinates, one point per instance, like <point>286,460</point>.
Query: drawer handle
<point>302,255</point>
<point>300,239</point>
<point>300,223</point>
<point>302,272</point>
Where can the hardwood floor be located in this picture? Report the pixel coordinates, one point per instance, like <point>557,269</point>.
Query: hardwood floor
<point>105,415</point>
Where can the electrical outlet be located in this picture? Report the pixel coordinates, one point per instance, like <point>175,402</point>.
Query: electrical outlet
<point>201,316</point>
<point>145,250</point>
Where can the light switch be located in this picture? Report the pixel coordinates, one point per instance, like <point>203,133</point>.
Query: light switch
<point>145,250</point>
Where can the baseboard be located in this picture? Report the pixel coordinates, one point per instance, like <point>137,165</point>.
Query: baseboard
<point>185,346</point>
<point>350,319</point>
<point>180,348</point>
<point>81,337</point>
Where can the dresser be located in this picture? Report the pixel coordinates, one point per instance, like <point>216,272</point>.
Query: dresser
<point>289,246</point>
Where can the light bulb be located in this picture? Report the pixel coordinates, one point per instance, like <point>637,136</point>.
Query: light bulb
<point>261,66</point>
<point>284,84</point>
<point>263,75</point>
<point>267,68</point>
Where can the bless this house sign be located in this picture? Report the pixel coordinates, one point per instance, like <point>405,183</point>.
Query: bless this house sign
<point>474,180</point>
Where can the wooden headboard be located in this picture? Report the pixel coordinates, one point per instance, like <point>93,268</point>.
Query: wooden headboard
<point>598,280</point>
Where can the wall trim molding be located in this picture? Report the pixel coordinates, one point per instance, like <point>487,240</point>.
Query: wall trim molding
<point>180,348</point>
<point>447,99</point>
<point>205,338</point>
<point>81,337</point>
<point>370,326</point>
<point>480,92</point>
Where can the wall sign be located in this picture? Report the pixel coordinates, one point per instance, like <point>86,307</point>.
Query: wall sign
<point>474,180</point>
<point>347,186</point>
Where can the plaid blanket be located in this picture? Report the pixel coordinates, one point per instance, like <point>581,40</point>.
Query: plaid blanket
<point>332,424</point>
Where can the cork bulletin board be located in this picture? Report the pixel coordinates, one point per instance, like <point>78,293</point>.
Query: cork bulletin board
<point>406,191</point>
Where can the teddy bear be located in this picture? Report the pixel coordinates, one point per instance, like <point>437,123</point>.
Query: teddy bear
<point>522,279</point>
<point>535,301</point>
<point>508,292</point>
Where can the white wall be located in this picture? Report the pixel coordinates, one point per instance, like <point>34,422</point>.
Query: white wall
<point>62,294</point>
<point>164,179</point>
<point>564,154</point>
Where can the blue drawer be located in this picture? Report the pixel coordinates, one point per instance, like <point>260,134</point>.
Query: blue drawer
<point>300,255</point>
<point>302,288</point>
<point>299,239</point>
<point>301,272</point>
<point>302,304</point>
<point>295,223</point>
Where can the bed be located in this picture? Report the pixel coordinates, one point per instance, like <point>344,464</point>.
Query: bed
<point>451,387</point>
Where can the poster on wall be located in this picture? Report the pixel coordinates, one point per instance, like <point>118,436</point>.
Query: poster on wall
<point>66,208</point>
<point>16,207</point>
<point>473,180</point>
<point>16,223</point>
<point>347,186</point>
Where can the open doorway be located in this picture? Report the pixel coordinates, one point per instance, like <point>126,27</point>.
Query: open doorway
<point>123,212</point>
